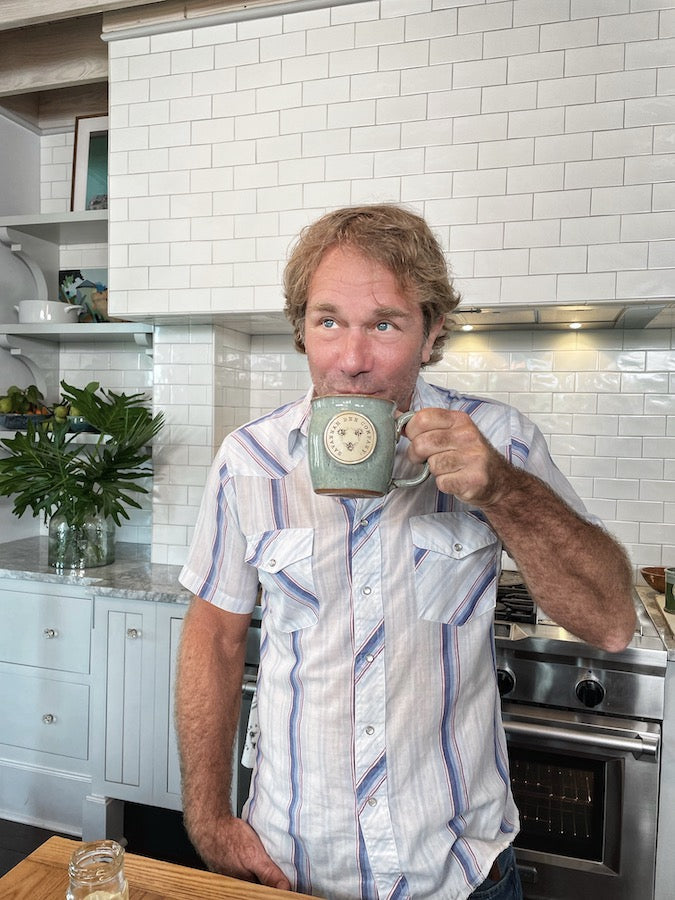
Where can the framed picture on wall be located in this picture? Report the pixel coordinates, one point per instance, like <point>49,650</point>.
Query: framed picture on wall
<point>90,163</point>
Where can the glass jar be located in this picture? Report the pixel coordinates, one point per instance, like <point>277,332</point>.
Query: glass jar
<point>82,546</point>
<point>96,872</point>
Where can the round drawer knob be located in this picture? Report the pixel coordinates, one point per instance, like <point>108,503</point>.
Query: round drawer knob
<point>133,633</point>
<point>48,719</point>
<point>50,633</point>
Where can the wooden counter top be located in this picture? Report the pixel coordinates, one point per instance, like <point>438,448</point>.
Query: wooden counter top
<point>44,876</point>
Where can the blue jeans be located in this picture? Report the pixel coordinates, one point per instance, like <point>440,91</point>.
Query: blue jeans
<point>508,887</point>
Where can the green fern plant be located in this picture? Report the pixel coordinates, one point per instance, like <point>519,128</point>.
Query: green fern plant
<point>47,469</point>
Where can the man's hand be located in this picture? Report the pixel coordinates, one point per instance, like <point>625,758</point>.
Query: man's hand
<point>462,461</point>
<point>231,847</point>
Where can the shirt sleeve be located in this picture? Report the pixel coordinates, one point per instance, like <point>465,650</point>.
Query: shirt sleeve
<point>215,569</point>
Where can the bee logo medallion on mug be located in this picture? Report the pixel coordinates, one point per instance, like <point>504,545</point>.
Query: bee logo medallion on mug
<point>352,445</point>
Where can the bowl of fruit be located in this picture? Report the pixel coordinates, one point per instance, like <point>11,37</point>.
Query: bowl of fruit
<point>67,412</point>
<point>19,406</point>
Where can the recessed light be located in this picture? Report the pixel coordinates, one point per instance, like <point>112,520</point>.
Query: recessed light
<point>467,327</point>
<point>575,326</point>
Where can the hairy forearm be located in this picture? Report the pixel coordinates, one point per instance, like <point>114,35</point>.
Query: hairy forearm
<point>574,570</point>
<point>208,698</point>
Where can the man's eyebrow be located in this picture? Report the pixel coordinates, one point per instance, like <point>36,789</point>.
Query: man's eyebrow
<point>391,312</point>
<point>381,312</point>
<point>321,307</point>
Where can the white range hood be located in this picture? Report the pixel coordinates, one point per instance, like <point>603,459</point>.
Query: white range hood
<point>488,317</point>
<point>586,316</point>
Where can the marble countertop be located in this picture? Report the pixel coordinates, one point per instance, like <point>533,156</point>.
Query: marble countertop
<point>132,575</point>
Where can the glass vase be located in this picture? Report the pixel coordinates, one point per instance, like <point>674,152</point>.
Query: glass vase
<point>81,546</point>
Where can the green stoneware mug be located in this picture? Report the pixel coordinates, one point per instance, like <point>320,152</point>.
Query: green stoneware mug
<point>352,445</point>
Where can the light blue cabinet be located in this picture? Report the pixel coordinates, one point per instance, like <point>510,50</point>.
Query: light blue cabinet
<point>135,757</point>
<point>86,705</point>
<point>45,698</point>
<point>124,684</point>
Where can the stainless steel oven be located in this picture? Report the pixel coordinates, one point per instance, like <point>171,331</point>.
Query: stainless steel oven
<point>584,732</point>
<point>587,792</point>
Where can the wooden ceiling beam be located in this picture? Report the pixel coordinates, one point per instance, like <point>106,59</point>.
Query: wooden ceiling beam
<point>20,13</point>
<point>57,55</point>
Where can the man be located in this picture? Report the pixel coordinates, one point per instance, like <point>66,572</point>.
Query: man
<point>381,766</point>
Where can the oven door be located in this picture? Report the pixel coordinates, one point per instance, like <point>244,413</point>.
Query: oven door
<point>587,790</point>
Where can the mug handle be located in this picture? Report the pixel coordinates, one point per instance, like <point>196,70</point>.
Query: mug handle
<point>401,422</point>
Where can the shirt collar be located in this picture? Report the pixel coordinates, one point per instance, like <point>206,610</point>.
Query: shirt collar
<point>299,424</point>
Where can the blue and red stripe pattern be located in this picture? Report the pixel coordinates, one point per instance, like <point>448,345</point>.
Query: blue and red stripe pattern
<point>381,766</point>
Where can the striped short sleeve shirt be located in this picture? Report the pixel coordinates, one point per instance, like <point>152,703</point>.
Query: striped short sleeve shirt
<point>381,767</point>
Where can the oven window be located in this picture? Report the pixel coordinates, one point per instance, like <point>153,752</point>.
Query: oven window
<point>561,801</point>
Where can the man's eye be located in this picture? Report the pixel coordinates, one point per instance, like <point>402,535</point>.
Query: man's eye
<point>328,323</point>
<point>383,326</point>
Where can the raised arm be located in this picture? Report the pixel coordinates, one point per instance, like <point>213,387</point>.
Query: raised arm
<point>576,571</point>
<point>208,700</point>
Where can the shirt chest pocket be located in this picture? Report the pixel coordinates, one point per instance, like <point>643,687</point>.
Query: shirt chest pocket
<point>283,559</point>
<point>456,561</point>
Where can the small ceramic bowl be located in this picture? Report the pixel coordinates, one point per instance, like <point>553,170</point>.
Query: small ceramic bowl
<point>655,576</point>
<point>79,423</point>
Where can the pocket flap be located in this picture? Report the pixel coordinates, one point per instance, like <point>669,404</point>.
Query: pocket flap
<point>283,559</point>
<point>452,534</point>
<point>271,551</point>
<point>455,557</point>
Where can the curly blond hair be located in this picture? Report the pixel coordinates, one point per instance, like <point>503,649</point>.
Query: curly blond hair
<point>397,239</point>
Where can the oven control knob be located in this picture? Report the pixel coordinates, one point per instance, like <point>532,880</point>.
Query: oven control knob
<point>505,682</point>
<point>590,692</point>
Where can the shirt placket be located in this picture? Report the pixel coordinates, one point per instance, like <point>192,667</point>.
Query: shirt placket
<point>370,700</point>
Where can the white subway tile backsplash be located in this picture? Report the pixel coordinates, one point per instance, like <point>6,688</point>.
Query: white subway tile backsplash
<point>542,233</point>
<point>652,169</point>
<point>485,18</point>
<point>593,173</point>
<point>562,203</point>
<point>508,97</point>
<point>479,73</point>
<point>591,230</point>
<point>610,257</point>
<point>536,66</point>
<point>511,41</point>
<point>647,54</point>
<point>559,147</point>
<point>625,85</point>
<point>484,182</point>
<point>507,208</point>
<point>534,12</point>
<point>652,111</point>
<point>531,136</point>
<point>557,259</point>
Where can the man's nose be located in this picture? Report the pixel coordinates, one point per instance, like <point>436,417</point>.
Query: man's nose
<point>356,356</point>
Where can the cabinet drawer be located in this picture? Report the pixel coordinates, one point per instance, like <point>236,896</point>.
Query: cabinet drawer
<point>43,630</point>
<point>40,714</point>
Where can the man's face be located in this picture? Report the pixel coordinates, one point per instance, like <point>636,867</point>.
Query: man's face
<point>362,335</point>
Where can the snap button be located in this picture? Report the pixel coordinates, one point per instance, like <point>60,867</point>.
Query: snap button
<point>372,801</point>
<point>367,590</point>
<point>363,523</point>
<point>369,657</point>
<point>272,563</point>
<point>458,548</point>
<point>370,729</point>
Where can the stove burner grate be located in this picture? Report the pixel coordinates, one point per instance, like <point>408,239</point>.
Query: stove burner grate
<point>514,604</point>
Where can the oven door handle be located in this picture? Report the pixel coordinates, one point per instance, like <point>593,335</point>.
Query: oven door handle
<point>639,744</point>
